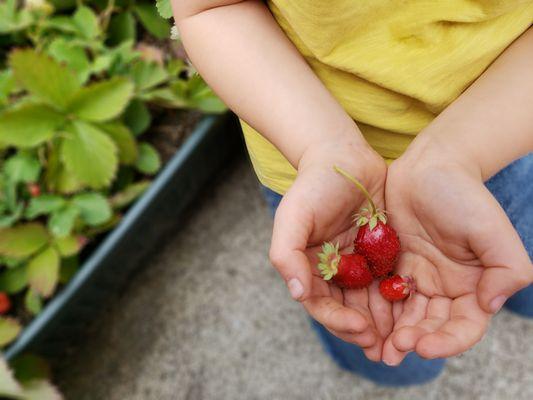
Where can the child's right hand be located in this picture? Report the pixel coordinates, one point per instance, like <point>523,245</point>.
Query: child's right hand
<point>319,207</point>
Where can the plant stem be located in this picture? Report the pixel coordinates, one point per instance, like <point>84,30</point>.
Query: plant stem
<point>359,186</point>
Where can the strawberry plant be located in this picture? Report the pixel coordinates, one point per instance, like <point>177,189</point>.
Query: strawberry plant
<point>81,85</point>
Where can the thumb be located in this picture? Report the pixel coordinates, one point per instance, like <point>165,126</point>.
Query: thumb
<point>507,265</point>
<point>290,235</point>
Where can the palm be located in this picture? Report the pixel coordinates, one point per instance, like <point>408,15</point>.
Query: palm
<point>319,207</point>
<point>446,221</point>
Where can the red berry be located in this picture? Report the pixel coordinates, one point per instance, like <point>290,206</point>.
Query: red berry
<point>379,245</point>
<point>5,303</point>
<point>34,189</point>
<point>396,287</point>
<point>347,271</point>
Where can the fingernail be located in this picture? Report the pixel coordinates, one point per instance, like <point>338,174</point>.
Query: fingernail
<point>497,303</point>
<point>295,288</point>
<point>389,362</point>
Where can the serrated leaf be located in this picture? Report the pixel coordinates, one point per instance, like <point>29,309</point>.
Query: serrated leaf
<point>87,22</point>
<point>62,221</point>
<point>124,140</point>
<point>147,74</point>
<point>40,389</point>
<point>72,55</point>
<point>68,245</point>
<point>43,272</point>
<point>9,330</point>
<point>13,280</point>
<point>7,85</point>
<point>53,83</point>
<point>8,385</point>
<point>102,101</point>
<point>44,204</point>
<point>22,167</point>
<point>164,9</point>
<point>128,195</point>
<point>89,154</point>
<point>22,240</point>
<point>137,117</point>
<point>94,208</point>
<point>151,20</point>
<point>122,27</point>
<point>61,23</point>
<point>29,125</point>
<point>33,302</point>
<point>148,161</point>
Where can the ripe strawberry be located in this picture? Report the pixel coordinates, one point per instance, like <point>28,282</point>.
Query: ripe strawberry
<point>376,241</point>
<point>5,303</point>
<point>347,271</point>
<point>396,287</point>
<point>34,189</point>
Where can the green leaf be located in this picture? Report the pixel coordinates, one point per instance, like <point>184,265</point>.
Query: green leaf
<point>102,101</point>
<point>124,140</point>
<point>7,85</point>
<point>151,20</point>
<point>44,204</point>
<point>87,22</point>
<point>69,267</point>
<point>148,161</point>
<point>29,125</point>
<point>122,27</point>
<point>147,75</point>
<point>13,280</point>
<point>73,56</point>
<point>33,302</point>
<point>89,154</point>
<point>51,82</point>
<point>137,117</point>
<point>68,246</point>
<point>9,330</point>
<point>22,167</point>
<point>62,221</point>
<point>163,6</point>
<point>373,222</point>
<point>94,208</point>
<point>61,23</point>
<point>29,366</point>
<point>22,240</point>
<point>202,97</point>
<point>8,385</point>
<point>128,195</point>
<point>40,389</point>
<point>43,272</point>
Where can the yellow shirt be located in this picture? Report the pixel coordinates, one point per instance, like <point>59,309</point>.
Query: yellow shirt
<point>393,65</point>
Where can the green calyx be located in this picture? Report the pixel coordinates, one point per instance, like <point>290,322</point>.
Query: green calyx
<point>365,216</point>
<point>329,260</point>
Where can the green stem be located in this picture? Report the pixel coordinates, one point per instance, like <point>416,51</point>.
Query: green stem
<point>359,186</point>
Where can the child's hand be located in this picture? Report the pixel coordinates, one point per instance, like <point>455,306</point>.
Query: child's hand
<point>459,246</point>
<point>319,207</point>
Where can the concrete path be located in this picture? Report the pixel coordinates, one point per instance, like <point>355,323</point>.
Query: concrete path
<point>209,319</point>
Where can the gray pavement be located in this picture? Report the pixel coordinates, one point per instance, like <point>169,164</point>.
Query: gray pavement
<point>209,319</point>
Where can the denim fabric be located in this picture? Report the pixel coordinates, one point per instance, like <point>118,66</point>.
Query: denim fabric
<point>513,188</point>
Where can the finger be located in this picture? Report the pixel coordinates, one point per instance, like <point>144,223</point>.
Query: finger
<point>414,310</point>
<point>290,234</point>
<point>438,312</point>
<point>508,267</point>
<point>380,309</point>
<point>366,339</point>
<point>334,315</point>
<point>466,326</point>
<point>397,309</point>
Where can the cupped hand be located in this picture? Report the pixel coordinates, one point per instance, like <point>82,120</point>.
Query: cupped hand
<point>459,246</point>
<point>319,207</point>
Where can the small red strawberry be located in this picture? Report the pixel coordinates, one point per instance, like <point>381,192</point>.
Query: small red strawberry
<point>5,303</point>
<point>34,189</point>
<point>347,271</point>
<point>376,241</point>
<point>396,287</point>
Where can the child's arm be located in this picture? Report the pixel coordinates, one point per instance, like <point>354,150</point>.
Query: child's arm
<point>246,58</point>
<point>465,254</point>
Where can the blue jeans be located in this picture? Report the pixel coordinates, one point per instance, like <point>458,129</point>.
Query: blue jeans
<point>513,188</point>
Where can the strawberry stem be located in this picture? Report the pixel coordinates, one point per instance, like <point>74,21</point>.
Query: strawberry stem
<point>359,186</point>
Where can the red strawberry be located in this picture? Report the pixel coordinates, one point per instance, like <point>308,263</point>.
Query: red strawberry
<point>347,271</point>
<point>376,241</point>
<point>396,287</point>
<point>34,189</point>
<point>5,303</point>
